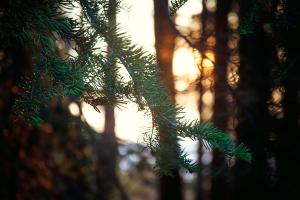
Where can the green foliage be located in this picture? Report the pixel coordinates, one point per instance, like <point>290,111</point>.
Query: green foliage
<point>149,93</point>
<point>93,74</point>
<point>38,26</point>
<point>175,5</point>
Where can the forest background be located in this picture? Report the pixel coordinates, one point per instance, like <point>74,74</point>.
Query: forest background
<point>233,63</point>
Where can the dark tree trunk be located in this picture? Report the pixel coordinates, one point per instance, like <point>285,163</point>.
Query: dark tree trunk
<point>220,116</point>
<point>164,44</point>
<point>170,187</point>
<point>257,57</point>
<point>252,129</point>
<point>288,143</point>
<point>13,65</point>
<point>219,189</point>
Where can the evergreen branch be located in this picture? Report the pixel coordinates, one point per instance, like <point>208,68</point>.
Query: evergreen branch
<point>40,27</point>
<point>90,74</point>
<point>145,75</point>
<point>175,6</point>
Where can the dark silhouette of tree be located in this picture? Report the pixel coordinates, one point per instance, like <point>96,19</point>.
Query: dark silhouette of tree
<point>219,188</point>
<point>287,31</point>
<point>170,186</point>
<point>14,63</point>
<point>257,57</point>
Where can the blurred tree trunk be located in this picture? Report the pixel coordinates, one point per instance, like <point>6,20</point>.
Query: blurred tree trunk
<point>257,57</point>
<point>22,146</point>
<point>287,156</point>
<point>219,189</point>
<point>14,63</point>
<point>109,135</point>
<point>29,167</point>
<point>170,187</point>
<point>220,116</point>
<point>207,19</point>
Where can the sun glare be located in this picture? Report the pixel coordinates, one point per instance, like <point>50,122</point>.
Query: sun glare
<point>74,109</point>
<point>184,63</point>
<point>131,123</point>
<point>93,118</point>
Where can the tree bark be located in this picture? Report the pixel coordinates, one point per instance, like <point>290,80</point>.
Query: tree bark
<point>169,187</point>
<point>219,189</point>
<point>257,57</point>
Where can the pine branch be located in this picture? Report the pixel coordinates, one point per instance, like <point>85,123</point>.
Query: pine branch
<point>145,75</point>
<point>89,74</point>
<point>175,6</point>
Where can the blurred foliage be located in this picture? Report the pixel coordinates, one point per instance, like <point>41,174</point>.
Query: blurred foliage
<point>63,159</point>
<point>281,21</point>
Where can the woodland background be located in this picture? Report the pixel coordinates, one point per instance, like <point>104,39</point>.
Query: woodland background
<point>237,65</point>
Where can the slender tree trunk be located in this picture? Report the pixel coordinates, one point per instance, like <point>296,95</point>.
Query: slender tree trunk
<point>219,189</point>
<point>207,19</point>
<point>220,116</point>
<point>170,187</point>
<point>109,135</point>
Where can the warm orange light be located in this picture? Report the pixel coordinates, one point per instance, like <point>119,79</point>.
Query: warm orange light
<point>277,95</point>
<point>181,85</point>
<point>233,78</point>
<point>189,101</point>
<point>208,98</point>
<point>275,106</point>
<point>184,64</point>
<point>233,20</point>
<point>232,75</point>
<point>207,63</point>
<point>197,57</point>
<point>210,55</point>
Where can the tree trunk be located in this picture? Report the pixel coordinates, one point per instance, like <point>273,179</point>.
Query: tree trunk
<point>288,142</point>
<point>109,135</point>
<point>257,57</point>
<point>207,19</point>
<point>219,189</point>
<point>170,187</point>
<point>13,65</point>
